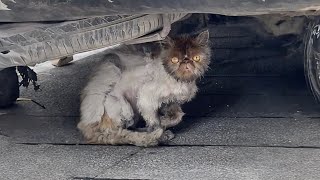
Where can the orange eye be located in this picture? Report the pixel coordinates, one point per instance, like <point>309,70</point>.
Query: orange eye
<point>196,58</point>
<point>174,60</point>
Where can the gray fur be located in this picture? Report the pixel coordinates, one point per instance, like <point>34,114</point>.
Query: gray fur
<point>132,83</point>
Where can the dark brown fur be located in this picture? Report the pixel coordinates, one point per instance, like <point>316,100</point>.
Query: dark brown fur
<point>185,48</point>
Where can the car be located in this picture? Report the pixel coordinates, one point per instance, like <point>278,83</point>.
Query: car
<point>36,31</point>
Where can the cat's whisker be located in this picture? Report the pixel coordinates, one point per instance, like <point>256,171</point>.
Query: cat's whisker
<point>209,68</point>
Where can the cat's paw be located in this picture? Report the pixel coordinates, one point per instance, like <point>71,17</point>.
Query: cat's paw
<point>171,112</point>
<point>166,136</point>
<point>170,115</point>
<point>153,138</point>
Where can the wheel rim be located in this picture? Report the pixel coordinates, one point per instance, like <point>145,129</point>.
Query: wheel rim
<point>312,59</point>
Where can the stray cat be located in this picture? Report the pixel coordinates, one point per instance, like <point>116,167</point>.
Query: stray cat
<point>133,83</point>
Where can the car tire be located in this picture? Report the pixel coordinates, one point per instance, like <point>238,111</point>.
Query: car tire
<point>312,57</point>
<point>9,87</point>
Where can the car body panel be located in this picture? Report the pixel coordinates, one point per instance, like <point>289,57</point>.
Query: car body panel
<point>57,40</point>
<point>61,10</point>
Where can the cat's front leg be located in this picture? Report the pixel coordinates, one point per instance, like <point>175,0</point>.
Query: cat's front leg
<point>119,110</point>
<point>148,109</point>
<point>170,115</point>
<point>151,118</point>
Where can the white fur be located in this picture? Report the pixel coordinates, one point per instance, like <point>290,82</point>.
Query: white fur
<point>143,82</point>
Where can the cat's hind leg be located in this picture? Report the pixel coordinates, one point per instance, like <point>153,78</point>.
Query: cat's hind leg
<point>93,96</point>
<point>105,114</point>
<point>107,132</point>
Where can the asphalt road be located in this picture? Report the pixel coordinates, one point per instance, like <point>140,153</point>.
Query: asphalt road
<point>244,124</point>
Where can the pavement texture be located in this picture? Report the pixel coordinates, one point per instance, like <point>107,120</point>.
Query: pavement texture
<point>248,123</point>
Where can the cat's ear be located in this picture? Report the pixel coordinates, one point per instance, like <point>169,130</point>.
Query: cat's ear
<point>203,38</point>
<point>167,42</point>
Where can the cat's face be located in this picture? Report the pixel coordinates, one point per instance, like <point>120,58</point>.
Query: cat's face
<point>187,58</point>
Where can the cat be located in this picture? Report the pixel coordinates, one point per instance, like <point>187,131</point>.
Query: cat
<point>147,81</point>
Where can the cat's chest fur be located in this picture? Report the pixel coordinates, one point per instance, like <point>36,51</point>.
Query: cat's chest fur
<point>171,90</point>
<point>154,83</point>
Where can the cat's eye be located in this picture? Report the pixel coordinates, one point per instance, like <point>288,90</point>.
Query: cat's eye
<point>196,58</point>
<point>174,60</point>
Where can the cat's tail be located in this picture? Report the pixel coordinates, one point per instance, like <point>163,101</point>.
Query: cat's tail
<point>102,133</point>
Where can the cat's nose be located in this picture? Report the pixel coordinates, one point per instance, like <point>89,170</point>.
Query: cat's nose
<point>186,59</point>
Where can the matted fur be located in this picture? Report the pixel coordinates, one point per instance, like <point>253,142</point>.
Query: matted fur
<point>170,115</point>
<point>136,81</point>
<point>103,133</point>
